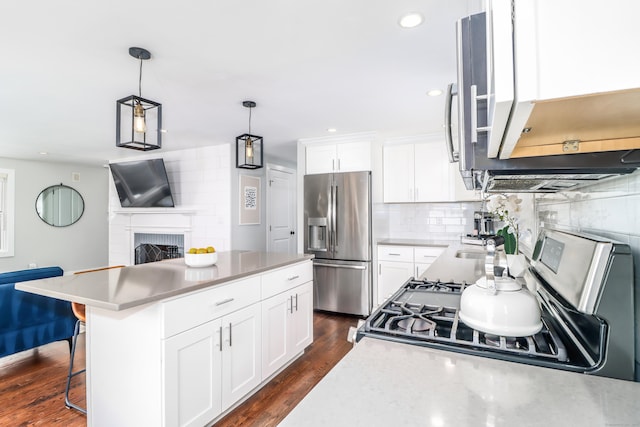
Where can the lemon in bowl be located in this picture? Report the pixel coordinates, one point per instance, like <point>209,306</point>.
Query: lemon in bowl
<point>201,257</point>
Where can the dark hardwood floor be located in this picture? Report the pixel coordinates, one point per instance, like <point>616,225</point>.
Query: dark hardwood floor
<point>32,382</point>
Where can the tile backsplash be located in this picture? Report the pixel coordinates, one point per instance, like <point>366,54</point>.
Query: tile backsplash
<point>431,221</point>
<point>610,209</point>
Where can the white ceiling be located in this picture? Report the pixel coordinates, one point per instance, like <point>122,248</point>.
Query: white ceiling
<point>309,64</point>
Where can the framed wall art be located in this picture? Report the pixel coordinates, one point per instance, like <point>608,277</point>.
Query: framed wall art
<point>249,200</point>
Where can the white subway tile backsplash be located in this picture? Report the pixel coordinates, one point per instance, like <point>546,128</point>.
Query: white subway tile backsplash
<point>610,209</point>
<point>451,221</point>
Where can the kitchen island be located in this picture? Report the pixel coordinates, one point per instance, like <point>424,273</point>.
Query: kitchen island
<point>172,345</point>
<point>383,382</point>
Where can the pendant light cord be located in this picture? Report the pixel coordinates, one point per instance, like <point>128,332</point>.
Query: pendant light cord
<point>140,79</point>
<point>250,108</point>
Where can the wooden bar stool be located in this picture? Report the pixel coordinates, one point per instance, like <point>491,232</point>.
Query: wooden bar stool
<point>79,311</point>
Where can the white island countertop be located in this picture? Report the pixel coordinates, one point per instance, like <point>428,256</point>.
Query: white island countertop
<point>122,288</point>
<point>383,383</point>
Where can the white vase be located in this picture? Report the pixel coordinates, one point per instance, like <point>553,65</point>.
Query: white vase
<point>517,264</point>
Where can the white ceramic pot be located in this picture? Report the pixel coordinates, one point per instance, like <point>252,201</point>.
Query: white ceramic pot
<point>512,311</point>
<point>517,264</point>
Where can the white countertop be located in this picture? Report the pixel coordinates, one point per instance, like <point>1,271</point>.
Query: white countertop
<point>121,288</point>
<point>382,383</point>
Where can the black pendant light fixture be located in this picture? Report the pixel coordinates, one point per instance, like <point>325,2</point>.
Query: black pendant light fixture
<point>249,147</point>
<point>138,120</point>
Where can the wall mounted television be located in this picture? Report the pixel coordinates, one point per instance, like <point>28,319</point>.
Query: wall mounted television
<point>142,184</point>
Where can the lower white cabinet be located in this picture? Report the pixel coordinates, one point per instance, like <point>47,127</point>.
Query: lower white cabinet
<point>193,376</point>
<point>392,275</point>
<point>396,264</point>
<point>212,366</point>
<point>287,327</point>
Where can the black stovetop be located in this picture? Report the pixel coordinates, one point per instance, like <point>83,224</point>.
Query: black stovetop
<point>426,313</point>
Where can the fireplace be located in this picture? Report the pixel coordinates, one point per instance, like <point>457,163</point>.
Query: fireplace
<point>152,247</point>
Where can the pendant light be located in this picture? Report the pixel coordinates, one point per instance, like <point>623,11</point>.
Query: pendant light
<point>248,146</point>
<point>138,120</point>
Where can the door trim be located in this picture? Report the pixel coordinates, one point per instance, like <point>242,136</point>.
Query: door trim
<point>271,167</point>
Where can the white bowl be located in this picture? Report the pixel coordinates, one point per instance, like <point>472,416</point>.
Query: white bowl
<point>512,311</point>
<point>201,260</point>
<point>200,274</point>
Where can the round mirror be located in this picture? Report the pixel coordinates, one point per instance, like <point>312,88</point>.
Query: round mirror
<point>59,205</point>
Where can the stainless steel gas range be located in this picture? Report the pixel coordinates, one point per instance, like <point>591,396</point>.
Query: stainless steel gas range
<point>584,286</point>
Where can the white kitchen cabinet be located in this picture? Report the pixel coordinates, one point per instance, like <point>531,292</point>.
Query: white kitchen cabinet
<point>424,256</point>
<point>210,367</point>
<point>398,173</point>
<point>396,264</point>
<point>421,172</point>
<point>534,50</point>
<point>287,327</point>
<point>338,157</point>
<point>193,376</point>
<point>392,275</point>
<point>241,353</point>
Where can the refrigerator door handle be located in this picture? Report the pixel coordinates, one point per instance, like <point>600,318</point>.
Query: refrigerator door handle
<point>349,267</point>
<point>335,217</point>
<point>330,215</point>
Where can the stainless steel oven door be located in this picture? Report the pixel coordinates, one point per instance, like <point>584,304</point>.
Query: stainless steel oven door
<point>342,286</point>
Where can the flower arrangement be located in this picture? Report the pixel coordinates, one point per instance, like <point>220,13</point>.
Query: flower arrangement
<point>506,208</point>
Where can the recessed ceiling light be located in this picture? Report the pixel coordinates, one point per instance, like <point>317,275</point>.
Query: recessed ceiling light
<point>434,92</point>
<point>332,130</point>
<point>411,20</point>
<point>44,153</point>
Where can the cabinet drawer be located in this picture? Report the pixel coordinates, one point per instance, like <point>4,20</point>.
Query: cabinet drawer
<point>427,253</point>
<point>285,278</point>
<point>395,253</point>
<point>197,308</point>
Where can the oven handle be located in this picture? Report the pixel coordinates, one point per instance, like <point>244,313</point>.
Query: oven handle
<point>350,267</point>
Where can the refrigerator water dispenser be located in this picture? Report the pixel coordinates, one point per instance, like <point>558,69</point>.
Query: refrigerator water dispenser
<point>317,234</point>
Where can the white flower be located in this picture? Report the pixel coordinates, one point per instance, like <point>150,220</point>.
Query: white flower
<point>505,207</point>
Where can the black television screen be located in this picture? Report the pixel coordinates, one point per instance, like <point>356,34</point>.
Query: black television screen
<point>142,184</point>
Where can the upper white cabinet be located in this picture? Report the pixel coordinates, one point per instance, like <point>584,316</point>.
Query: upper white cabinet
<point>564,71</point>
<point>339,154</point>
<point>421,172</point>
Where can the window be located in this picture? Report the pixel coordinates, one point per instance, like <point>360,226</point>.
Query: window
<point>7,203</point>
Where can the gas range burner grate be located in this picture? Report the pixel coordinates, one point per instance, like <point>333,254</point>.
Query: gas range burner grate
<point>436,286</point>
<point>438,324</point>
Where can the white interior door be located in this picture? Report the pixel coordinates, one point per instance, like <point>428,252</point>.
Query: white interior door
<point>281,203</point>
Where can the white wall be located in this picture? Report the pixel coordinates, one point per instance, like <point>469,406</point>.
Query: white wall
<point>82,245</point>
<point>200,180</point>
<point>251,237</point>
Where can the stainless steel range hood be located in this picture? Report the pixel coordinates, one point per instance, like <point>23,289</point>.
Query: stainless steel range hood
<point>532,183</point>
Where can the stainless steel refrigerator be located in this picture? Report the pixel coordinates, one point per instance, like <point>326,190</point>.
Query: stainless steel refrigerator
<point>337,230</point>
